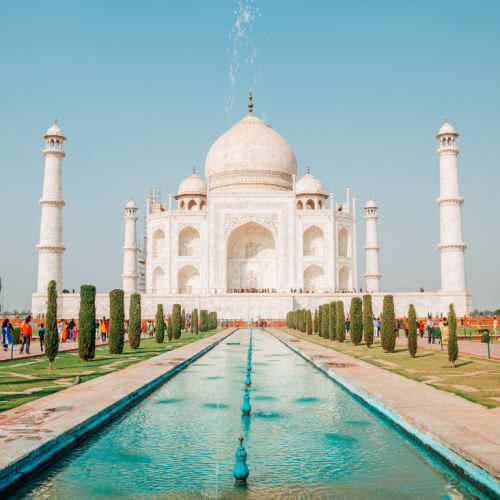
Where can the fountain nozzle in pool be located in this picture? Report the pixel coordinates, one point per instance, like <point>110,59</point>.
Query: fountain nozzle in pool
<point>249,366</point>
<point>246,408</point>
<point>248,381</point>
<point>240,471</point>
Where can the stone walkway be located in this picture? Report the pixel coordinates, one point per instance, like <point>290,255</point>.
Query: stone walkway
<point>464,348</point>
<point>34,432</point>
<point>464,431</point>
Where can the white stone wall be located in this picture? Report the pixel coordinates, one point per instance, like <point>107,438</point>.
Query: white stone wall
<point>266,306</point>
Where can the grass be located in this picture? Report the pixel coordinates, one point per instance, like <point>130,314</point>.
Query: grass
<point>22,381</point>
<point>479,378</point>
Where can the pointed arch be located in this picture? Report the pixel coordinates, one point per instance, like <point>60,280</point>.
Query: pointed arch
<point>189,279</point>
<point>189,242</point>
<point>313,242</point>
<point>158,280</point>
<point>158,244</point>
<point>192,205</point>
<point>344,242</point>
<point>314,278</point>
<point>344,275</point>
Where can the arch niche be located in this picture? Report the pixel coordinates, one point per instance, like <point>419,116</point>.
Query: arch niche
<point>192,204</point>
<point>344,275</point>
<point>314,242</point>
<point>251,257</point>
<point>158,244</point>
<point>189,280</point>
<point>158,280</point>
<point>344,243</point>
<point>189,242</point>
<point>314,278</point>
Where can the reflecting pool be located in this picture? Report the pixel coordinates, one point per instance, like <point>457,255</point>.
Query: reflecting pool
<point>306,439</point>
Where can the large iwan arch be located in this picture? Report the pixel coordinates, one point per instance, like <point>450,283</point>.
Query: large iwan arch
<point>158,280</point>
<point>344,243</point>
<point>251,258</point>
<point>344,275</point>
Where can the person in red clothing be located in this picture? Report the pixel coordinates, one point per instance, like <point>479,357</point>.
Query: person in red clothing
<point>421,329</point>
<point>26,336</point>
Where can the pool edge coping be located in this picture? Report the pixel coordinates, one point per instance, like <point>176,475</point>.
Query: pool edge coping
<point>34,461</point>
<point>478,477</point>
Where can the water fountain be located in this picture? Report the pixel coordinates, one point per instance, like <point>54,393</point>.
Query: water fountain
<point>248,380</point>
<point>240,471</point>
<point>246,408</point>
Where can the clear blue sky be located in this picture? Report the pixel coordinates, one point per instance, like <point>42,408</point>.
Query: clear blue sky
<point>141,90</point>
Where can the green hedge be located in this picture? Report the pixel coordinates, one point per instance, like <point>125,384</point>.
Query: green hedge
<point>134,326</point>
<point>116,321</point>
<point>86,323</point>
<point>176,321</point>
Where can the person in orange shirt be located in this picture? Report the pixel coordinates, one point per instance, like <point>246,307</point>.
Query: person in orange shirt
<point>26,336</point>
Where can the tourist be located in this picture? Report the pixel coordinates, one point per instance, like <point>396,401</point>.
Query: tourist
<point>103,330</point>
<point>70,326</point>
<point>106,324</point>
<point>432,332</point>
<point>6,334</point>
<point>74,332</point>
<point>97,328</point>
<point>495,325</point>
<point>347,324</point>
<point>60,327</point>
<point>406,327</point>
<point>375,327</point>
<point>479,327</point>
<point>421,329</point>
<point>25,336</point>
<point>41,335</point>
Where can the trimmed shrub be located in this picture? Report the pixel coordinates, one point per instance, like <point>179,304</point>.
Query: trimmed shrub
<point>183,318</point>
<point>325,321</point>
<point>86,323</point>
<point>320,320</point>
<point>452,336</point>
<point>203,320</point>
<point>367,320</point>
<point>116,321</point>
<point>176,321</point>
<point>340,321</point>
<point>316,320</point>
<point>51,341</point>
<point>388,329</point>
<point>194,321</point>
<point>484,338</point>
<point>160,325</point>
<point>309,323</point>
<point>304,320</point>
<point>332,322</point>
<point>16,336</point>
<point>356,318</point>
<point>412,331</point>
<point>134,326</point>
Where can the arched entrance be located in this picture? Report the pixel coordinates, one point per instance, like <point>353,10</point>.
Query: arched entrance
<point>251,258</point>
<point>314,278</point>
<point>189,280</point>
<point>158,275</point>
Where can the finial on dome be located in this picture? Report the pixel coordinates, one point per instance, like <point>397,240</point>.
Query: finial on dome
<point>446,119</point>
<point>55,121</point>
<point>194,169</point>
<point>250,104</point>
<point>307,168</point>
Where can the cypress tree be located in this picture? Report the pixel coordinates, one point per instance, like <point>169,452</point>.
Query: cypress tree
<point>295,319</point>
<point>388,329</point>
<point>215,318</point>
<point>412,331</point>
<point>176,321</point>
<point>452,336</point>
<point>299,320</point>
<point>340,321</point>
<point>325,321</point>
<point>304,321</point>
<point>51,334</point>
<point>309,323</point>
<point>367,320</point>
<point>169,329</point>
<point>316,320</point>
<point>116,321</point>
<point>86,323</point>
<point>332,322</point>
<point>134,327</point>
<point>160,324</point>
<point>194,321</point>
<point>356,315</point>
<point>192,327</point>
<point>203,320</point>
<point>320,319</point>
<point>183,317</point>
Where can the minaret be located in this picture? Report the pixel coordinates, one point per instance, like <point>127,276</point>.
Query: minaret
<point>130,250</point>
<point>452,244</point>
<point>372,265</point>
<point>50,249</point>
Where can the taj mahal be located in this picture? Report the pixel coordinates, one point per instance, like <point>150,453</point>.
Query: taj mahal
<point>252,225</point>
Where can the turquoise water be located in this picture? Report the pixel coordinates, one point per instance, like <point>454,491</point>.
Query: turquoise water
<point>306,439</point>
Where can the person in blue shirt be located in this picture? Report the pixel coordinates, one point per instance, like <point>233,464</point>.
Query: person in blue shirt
<point>41,335</point>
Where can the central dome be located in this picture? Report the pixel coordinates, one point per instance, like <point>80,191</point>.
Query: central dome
<point>251,156</point>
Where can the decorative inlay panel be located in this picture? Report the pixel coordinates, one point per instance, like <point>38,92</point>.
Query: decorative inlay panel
<point>319,263</point>
<point>268,220</point>
<point>182,264</point>
<point>308,224</point>
<point>251,177</point>
<point>195,225</point>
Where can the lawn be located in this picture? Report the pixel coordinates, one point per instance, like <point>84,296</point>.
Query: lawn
<point>22,381</point>
<point>475,379</point>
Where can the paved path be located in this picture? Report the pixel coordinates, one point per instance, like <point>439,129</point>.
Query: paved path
<point>463,428</point>
<point>37,430</point>
<point>464,348</point>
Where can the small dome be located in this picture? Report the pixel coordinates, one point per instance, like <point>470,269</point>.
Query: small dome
<point>446,129</point>
<point>131,204</point>
<point>193,185</point>
<point>309,185</point>
<point>54,131</point>
<point>371,204</point>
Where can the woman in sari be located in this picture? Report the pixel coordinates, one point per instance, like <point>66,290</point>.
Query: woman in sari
<point>6,334</point>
